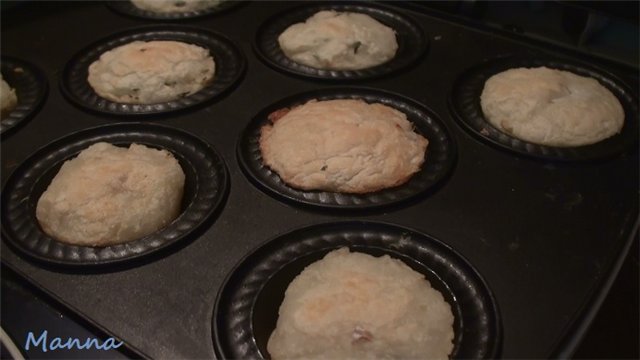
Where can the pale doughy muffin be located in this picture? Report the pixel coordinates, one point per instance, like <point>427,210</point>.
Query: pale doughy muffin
<point>551,107</point>
<point>175,6</point>
<point>8,98</point>
<point>356,306</point>
<point>110,195</point>
<point>339,41</point>
<point>151,72</point>
<point>343,146</point>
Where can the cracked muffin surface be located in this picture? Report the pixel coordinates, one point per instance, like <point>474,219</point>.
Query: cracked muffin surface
<point>351,305</point>
<point>551,107</point>
<point>345,146</point>
<point>110,195</point>
<point>339,41</point>
<point>148,72</point>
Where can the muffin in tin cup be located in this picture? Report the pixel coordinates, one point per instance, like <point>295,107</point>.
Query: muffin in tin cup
<point>169,43</point>
<point>205,189</point>
<point>246,309</point>
<point>411,41</point>
<point>30,86</point>
<point>437,164</point>
<point>465,103</point>
<point>171,10</point>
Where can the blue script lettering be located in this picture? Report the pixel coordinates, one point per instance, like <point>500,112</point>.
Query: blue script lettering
<point>31,340</point>
<point>111,342</point>
<point>70,343</point>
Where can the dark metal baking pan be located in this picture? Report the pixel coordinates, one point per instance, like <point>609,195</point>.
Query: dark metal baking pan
<point>206,184</point>
<point>541,232</point>
<point>439,160</point>
<point>412,42</point>
<point>126,7</point>
<point>31,88</point>
<point>465,103</point>
<point>246,309</point>
<point>229,61</point>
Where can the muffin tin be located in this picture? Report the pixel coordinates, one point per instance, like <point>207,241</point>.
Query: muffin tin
<point>30,86</point>
<point>229,67</point>
<point>206,185</point>
<point>246,309</point>
<point>127,8</point>
<point>542,239</point>
<point>412,43</point>
<point>465,103</point>
<point>438,162</point>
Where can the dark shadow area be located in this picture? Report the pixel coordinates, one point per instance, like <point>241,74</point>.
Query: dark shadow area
<point>614,332</point>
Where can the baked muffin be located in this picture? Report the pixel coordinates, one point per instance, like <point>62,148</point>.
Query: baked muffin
<point>551,107</point>
<point>148,72</point>
<point>339,41</point>
<point>356,306</point>
<point>175,6</point>
<point>345,146</point>
<point>8,98</point>
<point>110,195</point>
